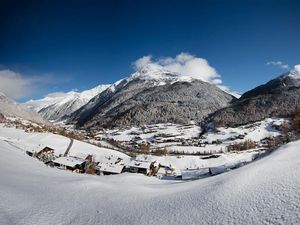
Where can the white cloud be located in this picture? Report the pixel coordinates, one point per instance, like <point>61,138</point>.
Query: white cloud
<point>16,86</point>
<point>279,64</point>
<point>184,64</point>
<point>297,68</point>
<point>56,95</point>
<point>141,62</point>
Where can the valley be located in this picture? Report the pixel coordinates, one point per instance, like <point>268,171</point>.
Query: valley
<point>163,137</point>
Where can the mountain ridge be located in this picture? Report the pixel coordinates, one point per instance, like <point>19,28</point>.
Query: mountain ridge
<point>57,105</point>
<point>151,95</point>
<point>277,97</point>
<point>10,108</point>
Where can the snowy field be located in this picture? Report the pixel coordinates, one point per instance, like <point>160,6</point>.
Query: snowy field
<point>37,141</point>
<point>264,192</point>
<point>148,133</point>
<point>185,138</point>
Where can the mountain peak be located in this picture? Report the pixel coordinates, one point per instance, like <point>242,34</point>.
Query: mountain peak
<point>295,73</point>
<point>153,72</point>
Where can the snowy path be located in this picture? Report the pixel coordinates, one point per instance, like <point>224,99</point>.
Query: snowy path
<point>69,147</point>
<point>264,192</point>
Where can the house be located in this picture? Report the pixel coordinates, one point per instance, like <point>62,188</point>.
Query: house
<point>45,155</point>
<point>109,168</point>
<point>110,165</point>
<point>70,163</point>
<point>136,166</point>
<point>154,167</point>
<point>165,171</point>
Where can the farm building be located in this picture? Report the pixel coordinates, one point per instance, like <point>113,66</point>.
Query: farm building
<point>110,165</point>
<point>109,168</point>
<point>165,171</point>
<point>45,155</point>
<point>70,163</point>
<point>139,167</point>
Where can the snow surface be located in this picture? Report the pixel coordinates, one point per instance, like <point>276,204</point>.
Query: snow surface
<point>150,131</point>
<point>184,162</point>
<point>35,142</point>
<point>264,192</point>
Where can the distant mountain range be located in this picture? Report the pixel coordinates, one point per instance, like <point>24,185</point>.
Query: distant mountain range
<point>56,106</point>
<point>9,107</point>
<point>153,95</point>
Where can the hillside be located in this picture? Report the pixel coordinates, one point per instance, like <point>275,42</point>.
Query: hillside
<point>10,108</point>
<point>277,97</point>
<point>151,96</point>
<point>39,194</point>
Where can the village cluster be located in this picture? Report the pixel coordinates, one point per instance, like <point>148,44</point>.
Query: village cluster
<point>186,153</point>
<point>108,165</point>
<point>112,165</point>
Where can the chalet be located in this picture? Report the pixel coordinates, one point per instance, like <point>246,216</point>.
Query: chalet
<point>45,155</point>
<point>110,165</point>
<point>136,166</point>
<point>109,168</point>
<point>70,163</point>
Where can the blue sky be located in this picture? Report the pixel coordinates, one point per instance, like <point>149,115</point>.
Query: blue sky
<point>63,45</point>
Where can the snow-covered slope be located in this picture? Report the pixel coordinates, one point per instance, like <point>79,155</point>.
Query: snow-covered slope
<point>57,105</point>
<point>278,97</point>
<point>264,192</point>
<point>185,138</point>
<point>9,107</point>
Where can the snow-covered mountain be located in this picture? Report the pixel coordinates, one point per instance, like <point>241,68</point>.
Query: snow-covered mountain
<point>278,97</point>
<point>152,95</point>
<point>55,106</point>
<point>9,107</point>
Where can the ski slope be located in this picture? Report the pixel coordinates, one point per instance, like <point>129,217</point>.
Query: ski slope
<point>266,191</point>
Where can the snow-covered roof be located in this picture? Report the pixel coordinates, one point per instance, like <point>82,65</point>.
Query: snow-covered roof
<point>110,167</point>
<point>69,161</point>
<point>140,164</point>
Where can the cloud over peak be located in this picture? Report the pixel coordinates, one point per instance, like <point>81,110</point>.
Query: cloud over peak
<point>184,64</point>
<point>297,68</point>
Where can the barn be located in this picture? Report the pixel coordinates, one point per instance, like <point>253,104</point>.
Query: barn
<point>70,163</point>
<point>46,154</point>
<point>136,166</point>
